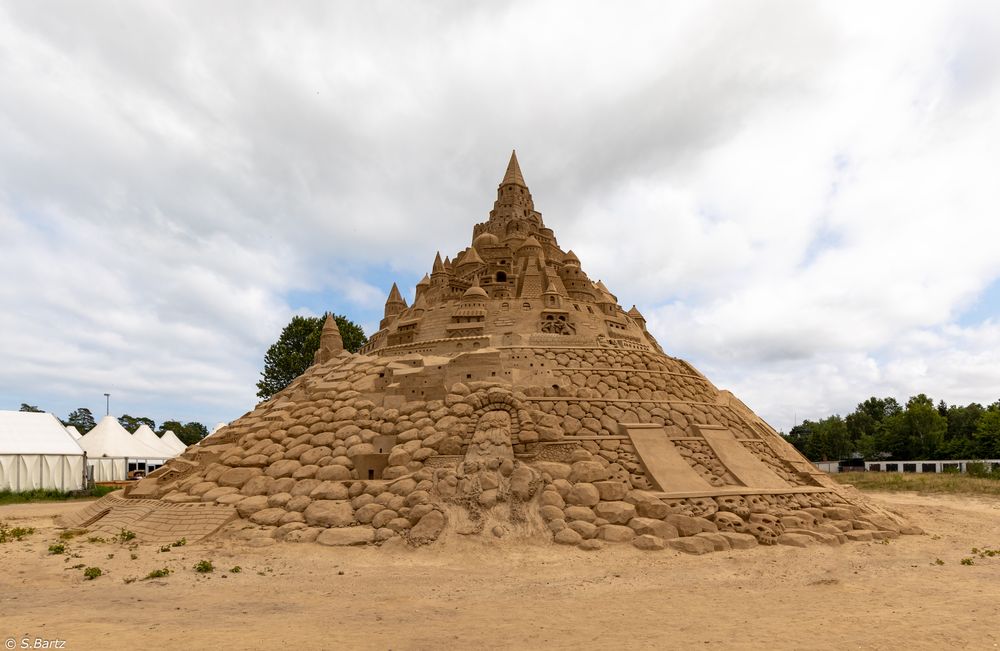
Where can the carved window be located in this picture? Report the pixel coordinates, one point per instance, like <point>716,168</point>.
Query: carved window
<point>501,277</point>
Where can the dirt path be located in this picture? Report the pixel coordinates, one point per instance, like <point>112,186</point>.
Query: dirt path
<point>860,595</point>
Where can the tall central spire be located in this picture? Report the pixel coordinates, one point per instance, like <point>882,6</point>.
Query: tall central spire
<point>513,197</point>
<point>513,174</point>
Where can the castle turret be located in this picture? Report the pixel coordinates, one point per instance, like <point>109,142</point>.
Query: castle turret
<point>513,198</point>
<point>636,316</point>
<point>394,305</point>
<point>421,289</point>
<point>331,343</point>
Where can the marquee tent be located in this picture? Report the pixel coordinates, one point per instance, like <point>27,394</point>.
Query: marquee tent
<point>36,452</point>
<point>74,432</point>
<point>112,452</point>
<point>171,440</point>
<point>149,437</point>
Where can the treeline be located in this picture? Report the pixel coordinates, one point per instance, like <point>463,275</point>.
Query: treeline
<point>83,420</point>
<point>881,428</point>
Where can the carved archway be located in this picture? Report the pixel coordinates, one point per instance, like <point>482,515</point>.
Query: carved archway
<point>494,400</point>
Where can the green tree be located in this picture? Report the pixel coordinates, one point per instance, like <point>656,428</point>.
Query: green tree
<point>82,419</point>
<point>960,438</point>
<point>132,423</point>
<point>30,408</point>
<point>915,433</point>
<point>188,433</point>
<point>987,442</point>
<point>293,353</point>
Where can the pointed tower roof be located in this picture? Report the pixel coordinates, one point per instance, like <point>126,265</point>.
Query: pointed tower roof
<point>331,343</point>
<point>438,265</point>
<point>395,298</point>
<point>513,174</point>
<point>426,280</point>
<point>471,257</point>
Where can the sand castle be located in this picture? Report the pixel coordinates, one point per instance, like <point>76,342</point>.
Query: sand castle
<point>514,398</point>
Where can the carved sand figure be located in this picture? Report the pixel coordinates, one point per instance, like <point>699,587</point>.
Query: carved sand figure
<point>514,397</point>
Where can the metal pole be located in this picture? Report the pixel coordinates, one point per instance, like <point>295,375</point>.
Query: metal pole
<point>107,404</point>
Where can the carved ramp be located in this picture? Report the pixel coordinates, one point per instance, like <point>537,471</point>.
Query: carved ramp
<point>743,464</point>
<point>664,464</point>
<point>151,520</point>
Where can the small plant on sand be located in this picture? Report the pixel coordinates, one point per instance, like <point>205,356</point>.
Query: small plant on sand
<point>71,533</point>
<point>938,561</point>
<point>179,543</point>
<point>110,556</point>
<point>133,556</point>
<point>96,539</point>
<point>165,548</point>
<point>92,573</point>
<point>158,574</point>
<point>78,566</point>
<point>8,534</point>
<point>967,561</point>
<point>57,548</point>
<point>128,579</point>
<point>125,535</point>
<point>204,567</point>
<point>236,569</point>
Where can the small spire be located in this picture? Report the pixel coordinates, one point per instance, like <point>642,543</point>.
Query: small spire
<point>513,174</point>
<point>424,281</point>
<point>395,296</point>
<point>438,265</point>
<point>331,343</point>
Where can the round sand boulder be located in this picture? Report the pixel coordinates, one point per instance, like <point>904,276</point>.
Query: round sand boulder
<point>237,477</point>
<point>329,513</point>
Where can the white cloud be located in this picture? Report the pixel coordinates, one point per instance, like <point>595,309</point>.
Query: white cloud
<point>799,197</point>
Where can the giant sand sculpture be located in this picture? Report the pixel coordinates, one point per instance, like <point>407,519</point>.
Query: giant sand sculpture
<point>514,397</point>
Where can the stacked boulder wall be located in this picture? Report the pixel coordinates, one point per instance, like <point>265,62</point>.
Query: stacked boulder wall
<point>514,398</point>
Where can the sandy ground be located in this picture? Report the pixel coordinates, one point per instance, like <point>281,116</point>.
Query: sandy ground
<point>472,594</point>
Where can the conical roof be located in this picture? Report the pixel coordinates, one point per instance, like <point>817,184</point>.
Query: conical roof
<point>110,439</point>
<point>149,438</point>
<point>74,432</point>
<point>170,440</point>
<point>568,418</point>
<point>513,173</point>
<point>395,296</point>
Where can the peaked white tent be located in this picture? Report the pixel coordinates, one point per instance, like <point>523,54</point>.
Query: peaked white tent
<point>149,437</point>
<point>36,452</point>
<point>112,452</point>
<point>74,432</point>
<point>170,439</point>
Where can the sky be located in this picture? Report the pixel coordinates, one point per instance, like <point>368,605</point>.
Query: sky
<point>801,198</point>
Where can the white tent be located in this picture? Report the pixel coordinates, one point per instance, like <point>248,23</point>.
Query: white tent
<point>170,439</point>
<point>149,437</point>
<point>112,452</point>
<point>36,452</point>
<point>74,432</point>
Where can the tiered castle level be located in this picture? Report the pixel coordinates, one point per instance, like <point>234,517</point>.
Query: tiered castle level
<point>515,397</point>
<point>513,286</point>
